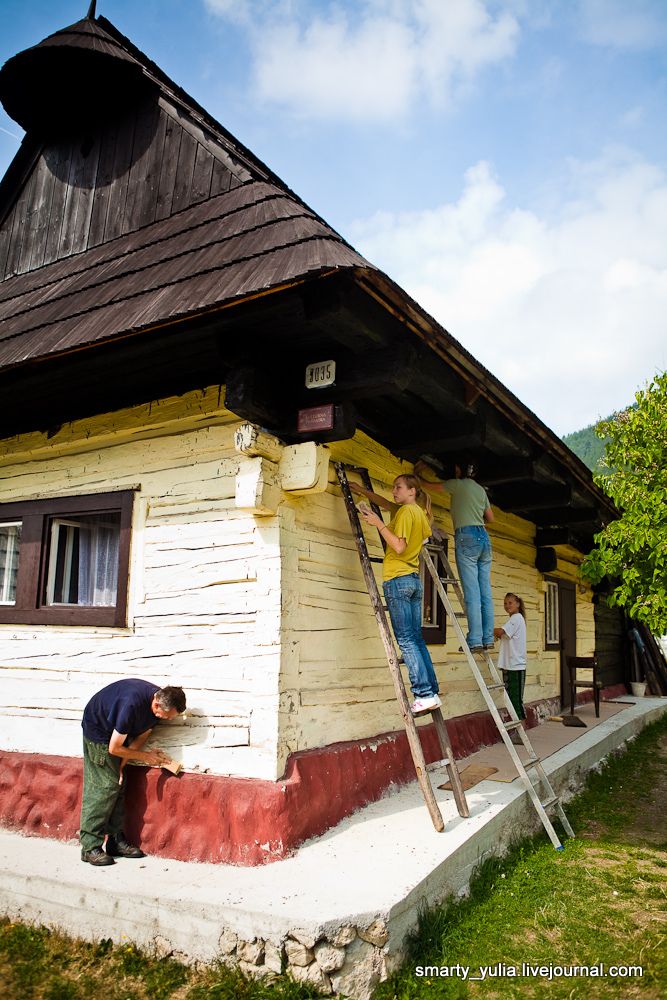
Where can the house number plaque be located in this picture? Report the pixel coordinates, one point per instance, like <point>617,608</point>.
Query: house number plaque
<point>320,374</point>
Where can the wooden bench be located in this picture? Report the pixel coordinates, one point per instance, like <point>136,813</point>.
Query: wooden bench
<point>575,663</point>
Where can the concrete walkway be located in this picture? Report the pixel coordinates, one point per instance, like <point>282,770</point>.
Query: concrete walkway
<point>346,899</point>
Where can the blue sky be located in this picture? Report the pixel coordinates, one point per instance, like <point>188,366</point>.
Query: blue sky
<point>503,160</point>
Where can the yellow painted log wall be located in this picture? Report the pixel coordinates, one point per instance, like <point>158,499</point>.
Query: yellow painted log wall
<point>335,683</point>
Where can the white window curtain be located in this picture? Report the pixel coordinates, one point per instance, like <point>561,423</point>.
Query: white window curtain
<point>10,538</point>
<point>98,561</point>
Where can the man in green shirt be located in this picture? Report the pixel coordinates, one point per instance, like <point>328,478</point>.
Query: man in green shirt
<point>471,512</point>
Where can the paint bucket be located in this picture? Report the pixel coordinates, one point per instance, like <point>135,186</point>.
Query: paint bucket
<point>638,688</point>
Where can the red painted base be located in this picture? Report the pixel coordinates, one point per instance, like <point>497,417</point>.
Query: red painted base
<point>240,821</point>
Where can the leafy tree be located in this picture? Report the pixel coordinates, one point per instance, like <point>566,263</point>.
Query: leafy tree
<point>632,550</point>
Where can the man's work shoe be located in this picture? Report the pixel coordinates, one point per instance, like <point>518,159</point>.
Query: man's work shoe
<point>96,856</point>
<point>118,847</point>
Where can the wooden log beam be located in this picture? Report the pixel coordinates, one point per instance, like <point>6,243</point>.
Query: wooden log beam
<point>459,433</point>
<point>251,441</point>
<point>373,373</point>
<point>531,496</point>
<point>499,471</point>
<point>252,395</point>
<point>553,536</point>
<point>556,517</point>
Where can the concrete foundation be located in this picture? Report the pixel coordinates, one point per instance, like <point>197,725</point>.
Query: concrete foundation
<point>335,914</point>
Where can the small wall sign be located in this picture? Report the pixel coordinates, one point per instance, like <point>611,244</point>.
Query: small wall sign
<point>316,418</point>
<point>320,374</point>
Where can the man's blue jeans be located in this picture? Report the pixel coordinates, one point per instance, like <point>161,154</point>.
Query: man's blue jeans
<point>473,559</point>
<point>404,601</point>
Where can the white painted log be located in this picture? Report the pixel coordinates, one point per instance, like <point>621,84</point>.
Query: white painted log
<point>304,468</point>
<point>251,441</point>
<point>256,489</point>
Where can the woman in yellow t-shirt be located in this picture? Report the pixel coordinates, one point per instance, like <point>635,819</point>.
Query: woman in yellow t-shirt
<point>405,535</point>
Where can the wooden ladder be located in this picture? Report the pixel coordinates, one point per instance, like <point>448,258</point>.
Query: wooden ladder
<point>394,662</point>
<point>492,689</point>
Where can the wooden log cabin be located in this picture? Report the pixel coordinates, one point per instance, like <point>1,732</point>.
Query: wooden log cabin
<point>166,513</point>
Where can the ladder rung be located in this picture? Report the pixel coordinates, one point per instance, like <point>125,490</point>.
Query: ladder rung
<point>509,726</point>
<point>495,687</point>
<point>533,762</point>
<point>459,614</point>
<point>445,762</point>
<point>550,802</point>
<point>377,559</point>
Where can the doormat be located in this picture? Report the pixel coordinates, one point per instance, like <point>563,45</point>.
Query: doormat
<point>471,775</point>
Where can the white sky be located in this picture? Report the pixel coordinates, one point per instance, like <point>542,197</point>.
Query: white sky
<point>503,160</point>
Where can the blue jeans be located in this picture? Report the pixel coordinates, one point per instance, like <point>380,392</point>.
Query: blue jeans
<point>404,601</point>
<point>472,546</point>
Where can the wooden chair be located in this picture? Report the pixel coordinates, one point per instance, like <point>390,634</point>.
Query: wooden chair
<point>575,663</point>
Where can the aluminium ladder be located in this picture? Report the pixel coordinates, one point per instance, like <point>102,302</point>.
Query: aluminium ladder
<point>393,660</point>
<point>488,691</point>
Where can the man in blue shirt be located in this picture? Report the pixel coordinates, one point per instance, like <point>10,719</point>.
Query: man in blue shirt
<point>117,722</point>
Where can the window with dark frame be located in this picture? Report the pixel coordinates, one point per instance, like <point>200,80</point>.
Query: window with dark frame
<point>434,619</point>
<point>65,561</point>
<point>551,616</point>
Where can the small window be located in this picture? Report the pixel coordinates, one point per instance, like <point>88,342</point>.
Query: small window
<point>66,561</point>
<point>434,619</point>
<point>83,560</point>
<point>10,538</point>
<point>551,616</point>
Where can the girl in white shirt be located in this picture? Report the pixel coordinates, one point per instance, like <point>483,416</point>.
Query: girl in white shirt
<point>512,657</point>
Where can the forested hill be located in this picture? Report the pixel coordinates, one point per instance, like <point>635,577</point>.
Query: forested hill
<point>587,446</point>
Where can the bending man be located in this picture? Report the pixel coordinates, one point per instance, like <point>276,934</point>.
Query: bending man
<point>117,721</point>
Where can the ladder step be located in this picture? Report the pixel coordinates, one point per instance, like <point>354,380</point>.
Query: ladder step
<point>445,762</point>
<point>377,559</point>
<point>495,687</point>
<point>550,802</point>
<point>509,726</point>
<point>533,762</point>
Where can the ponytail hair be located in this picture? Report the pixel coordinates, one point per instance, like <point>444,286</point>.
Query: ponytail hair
<point>421,496</point>
<point>519,600</point>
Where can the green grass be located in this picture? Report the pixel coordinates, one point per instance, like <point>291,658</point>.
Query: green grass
<point>602,900</point>
<point>39,964</point>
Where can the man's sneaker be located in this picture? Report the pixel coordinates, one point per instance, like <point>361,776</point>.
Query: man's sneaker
<point>489,645</point>
<point>118,847</point>
<point>96,856</point>
<point>425,704</point>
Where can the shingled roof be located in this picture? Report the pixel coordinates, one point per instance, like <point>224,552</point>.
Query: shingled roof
<point>100,207</point>
<point>248,240</point>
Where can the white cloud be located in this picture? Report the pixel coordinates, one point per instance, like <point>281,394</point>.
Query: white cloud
<point>252,11</point>
<point>369,59</point>
<point>623,24</point>
<point>634,117</point>
<point>567,309</point>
